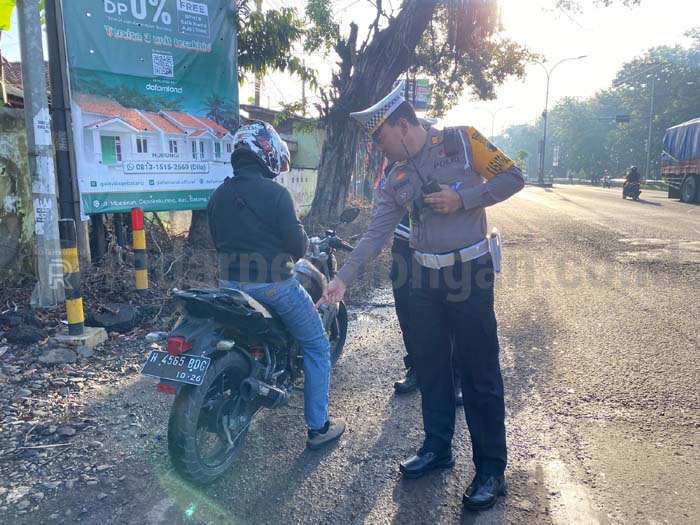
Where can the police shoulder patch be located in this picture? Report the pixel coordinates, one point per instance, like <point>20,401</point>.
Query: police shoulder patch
<point>487,160</point>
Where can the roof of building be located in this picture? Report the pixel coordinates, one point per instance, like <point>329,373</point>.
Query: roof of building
<point>13,73</point>
<point>105,121</point>
<point>13,83</point>
<point>112,108</point>
<point>201,124</point>
<point>164,124</point>
<point>183,119</point>
<point>172,122</point>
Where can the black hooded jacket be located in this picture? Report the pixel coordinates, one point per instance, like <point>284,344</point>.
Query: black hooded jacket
<point>254,226</point>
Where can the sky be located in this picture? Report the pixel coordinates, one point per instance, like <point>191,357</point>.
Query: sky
<point>608,36</point>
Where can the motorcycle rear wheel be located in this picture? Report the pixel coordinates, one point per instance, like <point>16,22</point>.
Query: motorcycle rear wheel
<point>197,439</point>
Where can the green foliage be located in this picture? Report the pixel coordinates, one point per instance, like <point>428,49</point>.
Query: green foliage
<point>322,30</point>
<point>91,82</point>
<point>521,157</point>
<point>586,130</point>
<point>266,41</point>
<point>221,111</point>
<point>291,112</point>
<point>460,49</point>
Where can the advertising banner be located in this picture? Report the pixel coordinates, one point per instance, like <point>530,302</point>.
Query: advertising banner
<point>417,92</point>
<point>154,100</point>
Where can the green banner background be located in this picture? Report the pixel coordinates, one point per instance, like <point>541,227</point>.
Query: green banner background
<point>153,55</point>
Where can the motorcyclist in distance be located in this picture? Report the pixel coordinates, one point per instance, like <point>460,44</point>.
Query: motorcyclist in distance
<point>632,175</point>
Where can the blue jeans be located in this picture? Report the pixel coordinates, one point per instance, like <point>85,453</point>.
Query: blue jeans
<point>293,304</point>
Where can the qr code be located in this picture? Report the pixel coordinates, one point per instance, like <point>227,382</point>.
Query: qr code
<point>162,65</point>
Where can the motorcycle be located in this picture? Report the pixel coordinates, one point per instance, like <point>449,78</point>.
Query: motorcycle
<point>228,357</point>
<point>607,183</point>
<point>631,189</point>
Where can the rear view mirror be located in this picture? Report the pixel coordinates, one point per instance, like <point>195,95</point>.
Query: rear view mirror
<point>349,215</point>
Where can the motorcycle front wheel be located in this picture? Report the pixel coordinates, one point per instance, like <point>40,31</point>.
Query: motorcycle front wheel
<point>208,423</point>
<point>338,333</point>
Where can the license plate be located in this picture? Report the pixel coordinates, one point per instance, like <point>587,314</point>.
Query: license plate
<point>183,368</point>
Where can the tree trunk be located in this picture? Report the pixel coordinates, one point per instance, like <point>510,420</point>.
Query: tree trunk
<point>364,78</point>
<point>199,236</point>
<point>337,162</point>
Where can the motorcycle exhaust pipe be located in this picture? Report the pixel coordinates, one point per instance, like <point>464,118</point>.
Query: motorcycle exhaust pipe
<point>271,396</point>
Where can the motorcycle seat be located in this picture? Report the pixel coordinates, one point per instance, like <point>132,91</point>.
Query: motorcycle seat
<point>241,296</point>
<point>230,307</point>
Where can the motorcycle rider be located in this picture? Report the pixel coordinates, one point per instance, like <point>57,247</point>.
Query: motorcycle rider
<point>258,237</point>
<point>631,177</point>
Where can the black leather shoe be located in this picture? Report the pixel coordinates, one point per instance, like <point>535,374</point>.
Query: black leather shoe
<point>470,488</point>
<point>483,492</point>
<point>408,383</point>
<point>423,462</point>
<point>459,399</point>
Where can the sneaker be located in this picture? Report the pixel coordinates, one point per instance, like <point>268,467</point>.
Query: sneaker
<point>331,431</point>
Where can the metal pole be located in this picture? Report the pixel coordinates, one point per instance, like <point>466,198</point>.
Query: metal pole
<point>71,268</point>
<point>303,90</point>
<point>49,288</point>
<point>69,195</point>
<point>651,116</point>
<point>493,120</point>
<point>258,76</point>
<point>540,178</point>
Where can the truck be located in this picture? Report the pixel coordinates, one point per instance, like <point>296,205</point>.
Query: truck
<point>680,162</point>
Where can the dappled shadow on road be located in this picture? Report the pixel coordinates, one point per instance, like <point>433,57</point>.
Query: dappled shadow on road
<point>274,479</point>
<point>650,203</point>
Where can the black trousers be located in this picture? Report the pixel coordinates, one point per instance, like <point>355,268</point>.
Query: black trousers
<point>458,300</point>
<point>401,257</point>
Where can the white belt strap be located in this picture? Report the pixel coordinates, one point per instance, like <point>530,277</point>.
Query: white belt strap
<point>492,244</point>
<point>435,261</point>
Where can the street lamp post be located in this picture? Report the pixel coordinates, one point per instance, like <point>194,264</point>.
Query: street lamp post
<point>540,176</point>
<point>493,117</point>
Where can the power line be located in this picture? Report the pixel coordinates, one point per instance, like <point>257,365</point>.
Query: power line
<point>348,6</point>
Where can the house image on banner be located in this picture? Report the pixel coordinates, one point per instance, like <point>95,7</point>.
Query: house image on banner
<point>113,134</point>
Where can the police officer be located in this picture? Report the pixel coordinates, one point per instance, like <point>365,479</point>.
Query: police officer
<point>445,179</point>
<point>401,256</point>
<point>400,275</point>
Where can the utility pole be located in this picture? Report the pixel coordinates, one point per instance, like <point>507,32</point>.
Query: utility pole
<point>49,289</point>
<point>258,79</point>
<point>69,194</point>
<point>651,117</point>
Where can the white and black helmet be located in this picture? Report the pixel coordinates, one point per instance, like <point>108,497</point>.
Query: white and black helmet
<point>261,139</point>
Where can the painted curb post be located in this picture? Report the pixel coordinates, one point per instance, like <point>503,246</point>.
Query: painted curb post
<point>71,276</point>
<point>140,257</point>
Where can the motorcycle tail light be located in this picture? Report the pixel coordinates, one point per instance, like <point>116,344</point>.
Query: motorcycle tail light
<point>177,345</point>
<point>256,352</point>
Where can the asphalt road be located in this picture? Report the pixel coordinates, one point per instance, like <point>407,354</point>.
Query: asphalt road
<point>599,324</point>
